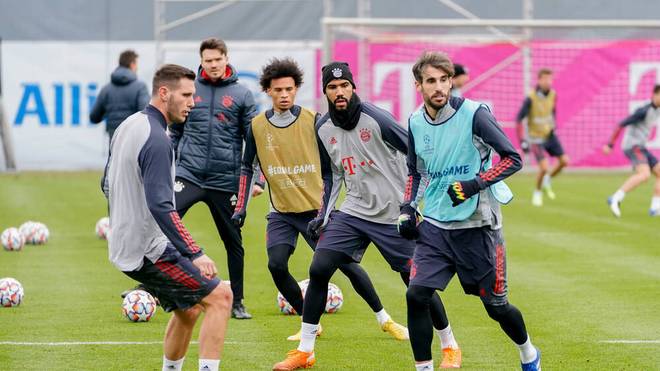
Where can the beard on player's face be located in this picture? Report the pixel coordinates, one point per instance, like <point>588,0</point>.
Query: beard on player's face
<point>437,99</point>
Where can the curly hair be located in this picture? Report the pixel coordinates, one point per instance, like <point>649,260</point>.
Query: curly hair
<point>278,68</point>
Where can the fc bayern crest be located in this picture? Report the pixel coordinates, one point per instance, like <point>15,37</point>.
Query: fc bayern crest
<point>227,101</point>
<point>336,72</point>
<point>365,135</point>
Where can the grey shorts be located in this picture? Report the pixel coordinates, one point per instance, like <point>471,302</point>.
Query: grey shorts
<point>639,155</point>
<point>283,228</point>
<point>352,235</point>
<point>174,280</point>
<point>477,255</point>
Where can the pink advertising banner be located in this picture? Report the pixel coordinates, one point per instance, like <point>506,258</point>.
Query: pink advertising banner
<point>598,84</point>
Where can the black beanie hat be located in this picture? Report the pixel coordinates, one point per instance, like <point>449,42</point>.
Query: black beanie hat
<point>334,71</point>
<point>459,70</point>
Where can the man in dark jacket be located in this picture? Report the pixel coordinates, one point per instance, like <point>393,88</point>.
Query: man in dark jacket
<point>122,97</point>
<point>209,149</point>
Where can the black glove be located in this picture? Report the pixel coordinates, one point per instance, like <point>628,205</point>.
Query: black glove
<point>314,228</point>
<point>239,218</point>
<point>524,145</point>
<point>462,191</point>
<point>407,224</point>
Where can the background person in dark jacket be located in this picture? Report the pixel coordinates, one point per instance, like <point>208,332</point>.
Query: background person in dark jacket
<point>123,96</point>
<point>209,149</point>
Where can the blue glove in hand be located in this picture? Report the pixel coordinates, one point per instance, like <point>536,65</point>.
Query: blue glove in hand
<point>314,228</point>
<point>460,192</point>
<point>407,223</point>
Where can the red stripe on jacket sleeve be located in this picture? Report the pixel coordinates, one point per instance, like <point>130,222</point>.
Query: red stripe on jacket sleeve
<point>183,232</point>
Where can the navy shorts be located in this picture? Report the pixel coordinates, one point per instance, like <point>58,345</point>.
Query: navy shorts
<point>551,145</point>
<point>477,255</point>
<point>174,280</point>
<point>351,235</point>
<point>283,228</point>
<point>639,155</point>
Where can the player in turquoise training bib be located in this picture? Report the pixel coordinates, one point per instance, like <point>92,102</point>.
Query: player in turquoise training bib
<point>451,142</point>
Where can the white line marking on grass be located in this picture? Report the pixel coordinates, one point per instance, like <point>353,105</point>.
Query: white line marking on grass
<point>71,343</point>
<point>630,341</point>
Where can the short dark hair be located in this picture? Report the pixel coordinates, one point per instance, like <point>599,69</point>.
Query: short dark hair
<point>127,57</point>
<point>213,43</point>
<point>437,60</point>
<point>656,89</point>
<point>278,68</point>
<point>169,75</point>
<point>544,71</point>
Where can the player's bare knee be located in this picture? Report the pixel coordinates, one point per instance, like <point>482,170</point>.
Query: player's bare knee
<point>191,314</point>
<point>564,160</point>
<point>644,174</point>
<point>656,170</point>
<point>219,299</point>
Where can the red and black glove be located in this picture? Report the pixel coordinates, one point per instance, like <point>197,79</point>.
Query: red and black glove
<point>460,192</point>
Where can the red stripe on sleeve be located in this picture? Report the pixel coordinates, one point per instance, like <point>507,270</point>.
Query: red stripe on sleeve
<point>407,196</point>
<point>242,185</point>
<point>496,171</point>
<point>183,232</point>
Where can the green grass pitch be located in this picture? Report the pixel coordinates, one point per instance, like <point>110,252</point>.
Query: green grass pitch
<point>580,277</point>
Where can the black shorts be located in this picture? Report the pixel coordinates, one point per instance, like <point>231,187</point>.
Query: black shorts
<point>477,255</point>
<point>639,155</point>
<point>174,280</point>
<point>551,145</point>
<point>351,235</point>
<point>283,228</point>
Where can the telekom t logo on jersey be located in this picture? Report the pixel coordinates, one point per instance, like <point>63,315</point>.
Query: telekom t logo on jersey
<point>350,164</point>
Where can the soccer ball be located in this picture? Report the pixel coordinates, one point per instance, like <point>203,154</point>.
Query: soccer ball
<point>12,240</point>
<point>11,292</point>
<point>35,233</point>
<point>333,302</point>
<point>335,299</point>
<point>103,228</point>
<point>139,306</point>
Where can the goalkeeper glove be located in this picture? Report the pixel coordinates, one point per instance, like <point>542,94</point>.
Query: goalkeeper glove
<point>460,192</point>
<point>407,224</point>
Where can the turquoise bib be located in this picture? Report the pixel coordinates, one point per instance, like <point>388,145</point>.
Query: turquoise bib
<point>450,155</point>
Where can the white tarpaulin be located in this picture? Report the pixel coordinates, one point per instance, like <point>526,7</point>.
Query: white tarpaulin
<point>49,88</point>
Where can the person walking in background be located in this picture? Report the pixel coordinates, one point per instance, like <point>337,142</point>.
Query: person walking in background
<point>540,110</point>
<point>122,97</point>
